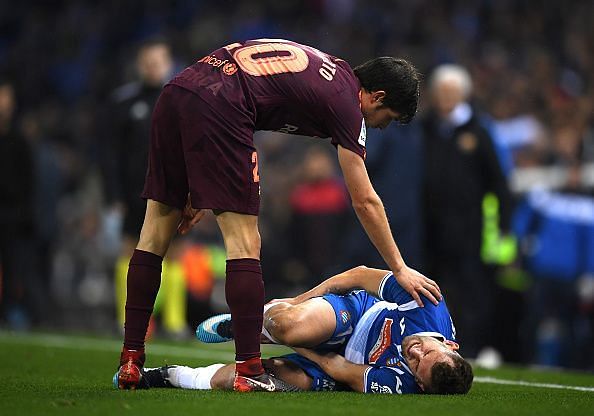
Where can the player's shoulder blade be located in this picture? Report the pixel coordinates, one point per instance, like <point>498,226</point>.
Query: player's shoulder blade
<point>269,57</point>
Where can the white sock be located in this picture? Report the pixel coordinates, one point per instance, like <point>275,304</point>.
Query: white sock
<point>193,378</point>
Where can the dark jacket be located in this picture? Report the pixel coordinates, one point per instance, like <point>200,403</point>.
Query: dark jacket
<point>461,166</point>
<point>127,134</point>
<point>16,186</point>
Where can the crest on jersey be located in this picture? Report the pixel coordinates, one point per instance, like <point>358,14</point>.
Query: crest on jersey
<point>362,134</point>
<point>345,316</point>
<point>383,341</point>
<point>229,68</point>
<point>394,362</point>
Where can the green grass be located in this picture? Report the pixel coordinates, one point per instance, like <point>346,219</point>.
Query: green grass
<point>61,375</point>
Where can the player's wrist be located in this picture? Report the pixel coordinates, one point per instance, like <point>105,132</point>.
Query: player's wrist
<point>398,268</point>
<point>301,298</point>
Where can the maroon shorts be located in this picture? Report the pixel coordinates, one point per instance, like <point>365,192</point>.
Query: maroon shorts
<point>204,148</point>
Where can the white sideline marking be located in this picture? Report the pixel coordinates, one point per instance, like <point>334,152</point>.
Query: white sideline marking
<point>492,380</point>
<point>77,343</point>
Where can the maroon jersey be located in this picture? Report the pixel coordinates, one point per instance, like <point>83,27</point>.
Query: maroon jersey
<point>279,85</point>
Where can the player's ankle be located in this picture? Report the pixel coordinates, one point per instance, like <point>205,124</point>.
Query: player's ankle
<point>136,355</point>
<point>250,367</point>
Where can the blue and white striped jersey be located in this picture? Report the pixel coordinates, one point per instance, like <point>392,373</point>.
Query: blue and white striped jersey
<point>378,336</point>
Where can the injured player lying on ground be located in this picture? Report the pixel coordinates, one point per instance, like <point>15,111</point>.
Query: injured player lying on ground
<point>357,331</point>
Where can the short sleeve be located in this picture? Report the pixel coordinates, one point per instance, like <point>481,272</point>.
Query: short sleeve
<point>391,291</point>
<point>344,122</point>
<point>388,380</point>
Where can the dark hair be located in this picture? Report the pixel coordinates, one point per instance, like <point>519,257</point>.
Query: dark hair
<point>398,78</point>
<point>451,379</point>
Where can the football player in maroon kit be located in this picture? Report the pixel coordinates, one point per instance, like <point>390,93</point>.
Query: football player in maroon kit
<point>202,156</point>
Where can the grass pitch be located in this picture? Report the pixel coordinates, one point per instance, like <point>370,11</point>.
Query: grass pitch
<point>43,374</point>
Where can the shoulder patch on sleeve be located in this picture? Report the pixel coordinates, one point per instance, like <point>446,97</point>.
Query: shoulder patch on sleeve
<point>363,134</point>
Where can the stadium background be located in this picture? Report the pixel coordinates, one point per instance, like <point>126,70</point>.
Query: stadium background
<point>533,69</point>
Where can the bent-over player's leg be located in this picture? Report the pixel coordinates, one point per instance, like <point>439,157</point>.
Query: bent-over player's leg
<point>244,288</point>
<point>143,281</point>
<point>166,181</point>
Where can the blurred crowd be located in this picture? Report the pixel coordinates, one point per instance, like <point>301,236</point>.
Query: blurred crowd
<point>490,191</point>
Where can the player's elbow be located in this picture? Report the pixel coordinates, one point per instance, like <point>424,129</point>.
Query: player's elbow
<point>367,204</point>
<point>357,386</point>
<point>346,373</point>
<point>355,271</point>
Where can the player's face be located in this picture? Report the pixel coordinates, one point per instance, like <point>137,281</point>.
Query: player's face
<point>375,113</point>
<point>422,352</point>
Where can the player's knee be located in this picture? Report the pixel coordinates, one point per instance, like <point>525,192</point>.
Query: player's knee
<point>253,247</point>
<point>154,244</point>
<point>244,246</point>
<point>284,326</point>
<point>241,235</point>
<point>255,243</point>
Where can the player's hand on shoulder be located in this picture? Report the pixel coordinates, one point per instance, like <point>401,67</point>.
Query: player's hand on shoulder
<point>417,284</point>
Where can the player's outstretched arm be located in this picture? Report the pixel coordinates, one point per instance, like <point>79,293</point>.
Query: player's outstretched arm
<point>370,211</point>
<point>338,367</point>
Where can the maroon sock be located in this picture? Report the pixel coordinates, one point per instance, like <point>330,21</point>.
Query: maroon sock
<point>244,290</point>
<point>144,279</point>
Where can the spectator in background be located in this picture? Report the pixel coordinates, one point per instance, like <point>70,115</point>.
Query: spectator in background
<point>128,126</point>
<point>125,165</point>
<point>460,168</point>
<point>319,205</point>
<point>17,257</point>
<point>556,228</point>
<point>557,232</point>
